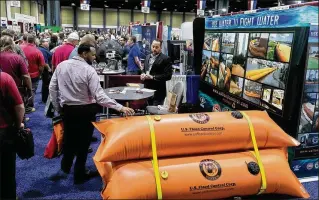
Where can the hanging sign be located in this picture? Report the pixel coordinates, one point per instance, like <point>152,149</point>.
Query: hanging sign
<point>201,5</point>
<point>146,6</point>
<point>85,7</point>
<point>85,4</point>
<point>200,12</point>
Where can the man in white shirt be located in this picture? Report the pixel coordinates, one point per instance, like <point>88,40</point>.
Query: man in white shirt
<point>75,91</point>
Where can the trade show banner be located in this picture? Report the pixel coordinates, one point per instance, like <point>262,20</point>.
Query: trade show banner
<point>301,16</point>
<point>309,114</point>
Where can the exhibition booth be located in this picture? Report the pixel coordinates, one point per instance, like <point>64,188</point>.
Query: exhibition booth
<point>258,98</point>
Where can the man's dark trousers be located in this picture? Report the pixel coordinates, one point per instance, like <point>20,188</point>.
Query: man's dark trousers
<point>78,131</point>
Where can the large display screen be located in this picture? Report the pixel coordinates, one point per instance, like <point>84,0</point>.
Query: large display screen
<point>253,66</point>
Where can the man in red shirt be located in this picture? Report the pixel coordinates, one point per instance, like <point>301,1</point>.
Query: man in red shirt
<point>11,115</point>
<point>63,52</point>
<point>36,65</point>
<point>14,65</point>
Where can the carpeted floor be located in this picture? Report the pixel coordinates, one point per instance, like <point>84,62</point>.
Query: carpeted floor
<point>33,175</point>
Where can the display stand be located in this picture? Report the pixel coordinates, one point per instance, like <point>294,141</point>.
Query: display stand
<point>256,61</point>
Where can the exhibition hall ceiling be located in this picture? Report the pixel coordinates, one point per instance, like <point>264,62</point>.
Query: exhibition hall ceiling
<point>177,5</point>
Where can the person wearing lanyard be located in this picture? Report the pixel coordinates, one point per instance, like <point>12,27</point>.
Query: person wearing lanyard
<point>157,70</point>
<point>75,91</point>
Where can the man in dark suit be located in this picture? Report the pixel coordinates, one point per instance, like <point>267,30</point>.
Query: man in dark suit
<point>157,70</point>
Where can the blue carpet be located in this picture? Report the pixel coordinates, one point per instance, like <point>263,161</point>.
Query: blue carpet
<point>33,174</point>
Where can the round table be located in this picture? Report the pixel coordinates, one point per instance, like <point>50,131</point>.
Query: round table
<point>130,94</point>
<point>106,73</point>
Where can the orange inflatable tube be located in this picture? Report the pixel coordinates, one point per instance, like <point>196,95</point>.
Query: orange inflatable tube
<point>205,177</point>
<point>184,134</point>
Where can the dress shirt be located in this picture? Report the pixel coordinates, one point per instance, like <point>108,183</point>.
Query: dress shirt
<point>151,62</point>
<point>76,83</point>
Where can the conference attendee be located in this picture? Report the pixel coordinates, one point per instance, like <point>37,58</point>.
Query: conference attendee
<point>11,116</point>
<point>126,50</point>
<point>53,42</point>
<point>63,52</point>
<point>100,41</point>
<point>134,65</point>
<point>36,65</point>
<point>75,91</point>
<point>86,39</point>
<point>61,38</point>
<point>46,74</point>
<point>157,70</point>
<point>16,47</point>
<point>24,39</point>
<point>53,50</point>
<point>14,65</point>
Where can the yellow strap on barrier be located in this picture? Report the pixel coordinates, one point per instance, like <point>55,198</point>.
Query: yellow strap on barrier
<point>256,154</point>
<point>155,161</point>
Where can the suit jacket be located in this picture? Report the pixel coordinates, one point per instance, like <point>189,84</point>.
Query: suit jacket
<point>162,71</point>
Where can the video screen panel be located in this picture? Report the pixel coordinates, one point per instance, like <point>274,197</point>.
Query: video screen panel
<point>253,66</point>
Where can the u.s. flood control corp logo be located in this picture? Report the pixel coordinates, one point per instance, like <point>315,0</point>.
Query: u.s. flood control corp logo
<point>210,169</point>
<point>200,118</point>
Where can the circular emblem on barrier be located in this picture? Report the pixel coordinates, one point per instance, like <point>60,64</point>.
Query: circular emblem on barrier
<point>200,118</point>
<point>216,108</point>
<point>210,169</point>
<point>309,166</point>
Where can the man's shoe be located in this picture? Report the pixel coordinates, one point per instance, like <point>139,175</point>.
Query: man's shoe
<point>90,150</point>
<point>80,179</point>
<point>94,139</point>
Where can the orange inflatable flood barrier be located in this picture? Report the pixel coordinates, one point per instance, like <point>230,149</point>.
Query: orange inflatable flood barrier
<point>185,134</point>
<point>205,177</point>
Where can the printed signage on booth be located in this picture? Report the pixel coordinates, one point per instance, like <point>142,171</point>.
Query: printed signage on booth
<point>267,19</point>
<point>309,115</point>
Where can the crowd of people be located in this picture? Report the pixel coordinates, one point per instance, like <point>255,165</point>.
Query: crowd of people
<point>63,61</point>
